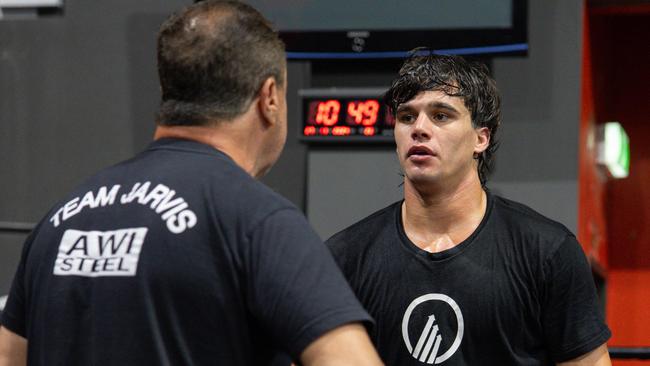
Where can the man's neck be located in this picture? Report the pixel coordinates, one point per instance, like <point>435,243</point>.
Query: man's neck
<point>439,219</point>
<point>227,138</point>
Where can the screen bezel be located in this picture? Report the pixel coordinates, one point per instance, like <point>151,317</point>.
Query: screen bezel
<point>398,43</point>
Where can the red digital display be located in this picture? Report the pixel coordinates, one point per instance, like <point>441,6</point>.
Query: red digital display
<point>338,119</point>
<point>368,131</point>
<point>328,112</point>
<point>362,112</point>
<point>341,131</point>
<point>309,131</point>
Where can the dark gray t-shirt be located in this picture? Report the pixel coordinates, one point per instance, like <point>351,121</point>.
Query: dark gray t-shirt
<point>518,291</point>
<point>175,257</point>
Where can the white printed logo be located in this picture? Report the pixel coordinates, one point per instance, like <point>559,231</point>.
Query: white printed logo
<point>174,210</point>
<point>427,348</point>
<point>100,253</point>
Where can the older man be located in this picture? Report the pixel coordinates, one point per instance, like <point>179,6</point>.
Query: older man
<point>179,256</point>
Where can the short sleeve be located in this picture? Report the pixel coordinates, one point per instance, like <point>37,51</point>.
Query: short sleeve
<point>572,319</point>
<point>296,290</point>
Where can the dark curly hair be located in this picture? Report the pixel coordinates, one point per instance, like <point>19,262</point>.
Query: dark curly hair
<point>457,77</point>
<point>213,57</point>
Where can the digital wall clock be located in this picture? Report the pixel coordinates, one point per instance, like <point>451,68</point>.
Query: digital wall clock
<point>345,115</point>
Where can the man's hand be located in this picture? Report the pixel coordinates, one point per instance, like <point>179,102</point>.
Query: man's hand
<point>342,346</point>
<point>597,357</point>
<point>13,348</point>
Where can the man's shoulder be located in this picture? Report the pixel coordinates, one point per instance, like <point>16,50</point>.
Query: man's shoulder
<point>365,231</point>
<point>517,212</point>
<point>205,179</point>
<point>535,230</point>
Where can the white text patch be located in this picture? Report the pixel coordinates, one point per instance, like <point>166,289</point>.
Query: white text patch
<point>100,253</point>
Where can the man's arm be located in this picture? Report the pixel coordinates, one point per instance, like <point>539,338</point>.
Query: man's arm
<point>597,357</point>
<point>13,348</point>
<point>346,345</point>
<point>298,293</point>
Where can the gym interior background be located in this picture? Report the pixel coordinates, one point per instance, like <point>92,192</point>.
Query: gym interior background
<point>78,91</point>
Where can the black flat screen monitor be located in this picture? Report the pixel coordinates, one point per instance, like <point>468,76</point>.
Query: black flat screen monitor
<point>317,29</point>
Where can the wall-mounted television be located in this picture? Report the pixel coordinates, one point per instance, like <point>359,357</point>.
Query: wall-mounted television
<point>317,29</point>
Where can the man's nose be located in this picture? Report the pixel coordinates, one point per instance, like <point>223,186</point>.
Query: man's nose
<point>421,128</point>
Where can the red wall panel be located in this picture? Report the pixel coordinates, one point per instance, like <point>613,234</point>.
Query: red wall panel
<point>616,87</point>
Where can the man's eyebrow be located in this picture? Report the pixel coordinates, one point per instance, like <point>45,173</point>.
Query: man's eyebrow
<point>433,105</point>
<point>402,107</point>
<point>443,105</point>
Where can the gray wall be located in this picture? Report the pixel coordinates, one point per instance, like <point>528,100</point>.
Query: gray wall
<point>348,184</point>
<point>538,159</point>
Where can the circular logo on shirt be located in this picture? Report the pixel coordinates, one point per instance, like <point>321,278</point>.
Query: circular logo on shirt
<point>435,342</point>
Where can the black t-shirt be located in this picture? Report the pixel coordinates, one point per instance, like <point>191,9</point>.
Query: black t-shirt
<point>518,291</point>
<point>175,257</point>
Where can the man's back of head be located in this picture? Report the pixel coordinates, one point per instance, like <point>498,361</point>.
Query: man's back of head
<point>212,59</point>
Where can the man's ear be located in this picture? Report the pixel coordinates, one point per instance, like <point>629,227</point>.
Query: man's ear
<point>269,100</point>
<point>482,140</point>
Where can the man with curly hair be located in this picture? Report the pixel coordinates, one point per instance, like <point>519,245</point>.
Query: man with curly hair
<point>454,274</point>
